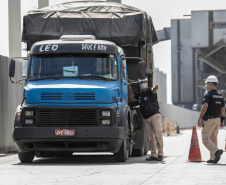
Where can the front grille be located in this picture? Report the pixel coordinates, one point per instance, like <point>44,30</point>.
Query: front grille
<point>67,96</point>
<point>64,117</point>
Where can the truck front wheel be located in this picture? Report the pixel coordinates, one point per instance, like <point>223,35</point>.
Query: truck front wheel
<point>26,157</point>
<point>122,154</point>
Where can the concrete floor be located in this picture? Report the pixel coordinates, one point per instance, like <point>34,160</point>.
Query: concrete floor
<point>94,169</point>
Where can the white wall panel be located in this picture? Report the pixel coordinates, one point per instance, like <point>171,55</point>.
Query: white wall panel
<point>185,118</point>
<point>199,29</point>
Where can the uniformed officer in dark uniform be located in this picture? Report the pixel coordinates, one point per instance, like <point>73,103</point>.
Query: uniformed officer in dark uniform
<point>147,98</point>
<point>213,114</point>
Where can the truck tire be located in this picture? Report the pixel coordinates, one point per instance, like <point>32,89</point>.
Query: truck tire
<point>139,138</point>
<point>138,152</point>
<point>143,150</point>
<point>123,153</point>
<point>26,157</point>
<point>146,147</point>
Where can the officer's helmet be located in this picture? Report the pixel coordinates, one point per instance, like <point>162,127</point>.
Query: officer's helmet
<point>211,78</point>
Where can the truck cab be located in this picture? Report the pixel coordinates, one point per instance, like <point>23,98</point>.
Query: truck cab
<point>75,99</point>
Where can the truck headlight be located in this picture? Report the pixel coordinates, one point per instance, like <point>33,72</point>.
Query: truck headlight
<point>106,122</point>
<point>106,113</point>
<point>29,113</point>
<point>29,121</point>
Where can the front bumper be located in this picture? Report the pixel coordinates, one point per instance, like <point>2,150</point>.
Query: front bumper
<point>86,139</point>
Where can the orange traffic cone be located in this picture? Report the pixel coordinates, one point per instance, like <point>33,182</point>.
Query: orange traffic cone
<point>194,153</point>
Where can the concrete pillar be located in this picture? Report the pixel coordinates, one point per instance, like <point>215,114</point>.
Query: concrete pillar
<point>43,3</point>
<point>14,12</point>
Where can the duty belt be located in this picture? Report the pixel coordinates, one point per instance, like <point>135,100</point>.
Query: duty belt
<point>213,117</point>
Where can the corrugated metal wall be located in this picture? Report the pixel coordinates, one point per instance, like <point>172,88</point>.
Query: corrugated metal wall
<point>10,97</point>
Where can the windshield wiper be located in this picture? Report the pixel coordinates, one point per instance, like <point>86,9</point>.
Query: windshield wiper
<point>70,71</point>
<point>52,76</point>
<point>80,76</point>
<point>98,76</point>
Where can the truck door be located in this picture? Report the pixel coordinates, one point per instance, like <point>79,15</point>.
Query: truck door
<point>124,82</point>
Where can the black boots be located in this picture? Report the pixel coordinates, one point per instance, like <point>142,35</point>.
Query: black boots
<point>151,158</point>
<point>160,158</point>
<point>218,154</point>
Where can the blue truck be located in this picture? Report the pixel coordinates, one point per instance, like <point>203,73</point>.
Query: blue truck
<point>75,95</point>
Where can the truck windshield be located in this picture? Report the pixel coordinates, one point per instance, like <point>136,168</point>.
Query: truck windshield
<point>57,66</point>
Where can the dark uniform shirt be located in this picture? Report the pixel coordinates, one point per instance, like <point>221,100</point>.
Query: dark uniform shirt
<point>215,102</point>
<point>148,103</point>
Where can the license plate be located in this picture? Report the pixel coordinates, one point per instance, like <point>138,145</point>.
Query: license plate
<point>64,132</point>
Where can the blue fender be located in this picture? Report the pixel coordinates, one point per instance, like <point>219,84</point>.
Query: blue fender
<point>125,113</point>
<point>125,110</point>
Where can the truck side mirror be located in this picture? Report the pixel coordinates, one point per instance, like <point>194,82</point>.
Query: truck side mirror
<point>142,69</point>
<point>12,68</point>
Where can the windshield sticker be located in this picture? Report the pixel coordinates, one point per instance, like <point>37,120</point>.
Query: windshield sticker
<point>93,47</point>
<point>70,71</point>
<point>48,47</point>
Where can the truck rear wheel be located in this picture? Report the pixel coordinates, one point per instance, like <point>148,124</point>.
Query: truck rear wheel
<point>139,137</point>
<point>26,157</point>
<point>138,152</point>
<point>146,147</point>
